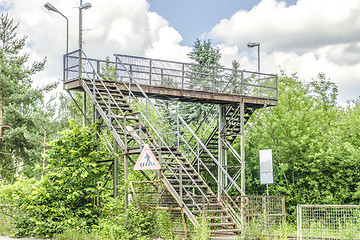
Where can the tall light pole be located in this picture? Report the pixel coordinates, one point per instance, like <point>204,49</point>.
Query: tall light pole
<point>82,7</point>
<point>50,7</point>
<point>251,45</point>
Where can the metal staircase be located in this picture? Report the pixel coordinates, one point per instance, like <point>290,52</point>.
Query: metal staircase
<point>133,120</point>
<point>133,129</point>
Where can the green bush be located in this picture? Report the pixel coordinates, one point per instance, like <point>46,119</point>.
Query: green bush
<point>67,195</point>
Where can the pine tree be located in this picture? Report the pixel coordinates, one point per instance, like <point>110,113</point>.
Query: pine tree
<point>18,101</point>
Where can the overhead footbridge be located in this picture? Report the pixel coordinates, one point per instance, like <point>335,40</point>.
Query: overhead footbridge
<point>195,171</point>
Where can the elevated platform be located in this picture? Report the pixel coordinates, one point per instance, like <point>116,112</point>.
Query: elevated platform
<point>174,81</point>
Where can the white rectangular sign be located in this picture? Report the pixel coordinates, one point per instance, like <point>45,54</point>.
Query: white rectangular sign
<point>266,168</point>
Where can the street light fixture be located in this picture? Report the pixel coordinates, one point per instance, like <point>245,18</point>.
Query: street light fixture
<point>50,7</point>
<point>85,6</point>
<point>251,45</point>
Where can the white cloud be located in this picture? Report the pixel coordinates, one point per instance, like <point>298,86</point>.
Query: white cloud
<point>301,27</point>
<point>306,38</point>
<point>110,27</point>
<point>166,41</point>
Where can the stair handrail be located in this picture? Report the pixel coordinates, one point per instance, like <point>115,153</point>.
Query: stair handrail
<point>214,115</point>
<point>152,124</point>
<point>153,128</point>
<point>95,73</point>
<point>223,170</point>
<point>210,154</point>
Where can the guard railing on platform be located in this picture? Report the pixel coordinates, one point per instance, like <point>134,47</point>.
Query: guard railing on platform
<point>177,75</point>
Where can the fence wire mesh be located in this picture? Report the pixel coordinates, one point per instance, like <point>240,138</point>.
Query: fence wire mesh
<point>328,221</point>
<point>154,195</point>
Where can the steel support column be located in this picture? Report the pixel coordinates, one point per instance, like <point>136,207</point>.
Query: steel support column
<point>126,180</point>
<point>221,149</point>
<point>242,145</point>
<point>116,166</point>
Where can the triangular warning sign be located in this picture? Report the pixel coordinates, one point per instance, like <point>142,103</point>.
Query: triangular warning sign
<point>147,160</point>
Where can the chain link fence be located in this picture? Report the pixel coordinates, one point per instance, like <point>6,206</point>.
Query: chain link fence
<point>328,221</point>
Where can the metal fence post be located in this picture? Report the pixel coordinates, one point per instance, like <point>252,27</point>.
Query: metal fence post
<point>298,221</point>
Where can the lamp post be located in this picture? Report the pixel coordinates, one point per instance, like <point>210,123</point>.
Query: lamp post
<point>50,7</point>
<point>251,45</point>
<point>82,6</point>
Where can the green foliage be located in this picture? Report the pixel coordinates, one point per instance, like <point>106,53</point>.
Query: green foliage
<point>315,146</point>
<point>21,112</point>
<point>163,224</point>
<point>202,232</point>
<point>67,197</point>
<point>205,54</point>
<point>136,225</point>
<point>207,59</point>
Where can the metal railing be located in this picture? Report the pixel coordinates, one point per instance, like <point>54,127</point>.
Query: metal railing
<point>177,75</point>
<point>180,138</point>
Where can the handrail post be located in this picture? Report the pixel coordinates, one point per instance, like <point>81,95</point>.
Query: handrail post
<point>181,183</point>
<point>178,131</point>
<point>150,71</point>
<point>242,83</point>
<point>214,80</point>
<point>182,76</point>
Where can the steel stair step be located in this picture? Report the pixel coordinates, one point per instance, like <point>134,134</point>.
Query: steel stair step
<point>213,211</point>
<point>176,163</point>
<point>177,174</point>
<point>228,224</point>
<point>190,186</point>
<point>127,117</point>
<point>218,217</point>
<point>207,205</point>
<point>224,231</point>
<point>116,98</point>
<point>120,104</point>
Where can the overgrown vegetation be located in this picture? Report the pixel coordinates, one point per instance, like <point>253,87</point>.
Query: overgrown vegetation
<point>315,142</point>
<point>315,146</point>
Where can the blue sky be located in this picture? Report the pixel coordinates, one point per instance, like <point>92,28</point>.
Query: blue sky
<point>193,18</point>
<point>305,37</point>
